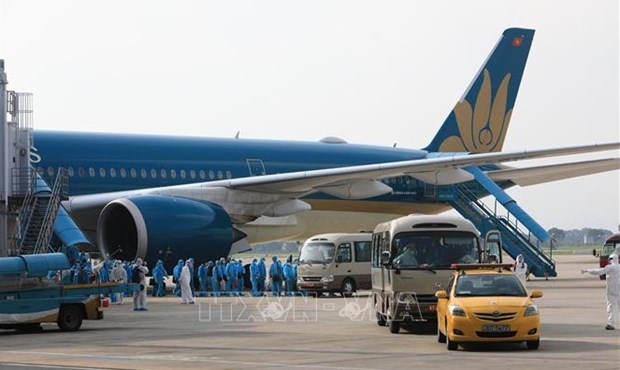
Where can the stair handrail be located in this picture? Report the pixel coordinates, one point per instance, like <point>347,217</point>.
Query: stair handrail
<point>49,219</point>
<point>469,195</point>
<point>526,239</point>
<point>532,249</point>
<point>24,216</point>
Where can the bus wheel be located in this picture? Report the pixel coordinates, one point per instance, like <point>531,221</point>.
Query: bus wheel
<point>348,288</point>
<point>394,327</point>
<point>381,320</point>
<point>69,318</point>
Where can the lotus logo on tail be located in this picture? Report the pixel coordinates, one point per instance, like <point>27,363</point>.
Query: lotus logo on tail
<point>481,128</point>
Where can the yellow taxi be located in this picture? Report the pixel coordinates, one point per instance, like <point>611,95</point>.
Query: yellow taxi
<point>487,303</point>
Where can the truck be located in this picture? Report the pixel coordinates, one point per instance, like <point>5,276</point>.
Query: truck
<point>612,245</point>
<point>30,295</point>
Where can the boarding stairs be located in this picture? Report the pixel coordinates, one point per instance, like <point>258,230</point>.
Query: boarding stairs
<point>38,215</point>
<point>517,237</point>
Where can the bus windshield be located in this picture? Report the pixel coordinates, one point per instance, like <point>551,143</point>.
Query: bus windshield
<point>317,253</point>
<point>434,249</point>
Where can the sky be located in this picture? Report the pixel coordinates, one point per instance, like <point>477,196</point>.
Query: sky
<point>371,72</point>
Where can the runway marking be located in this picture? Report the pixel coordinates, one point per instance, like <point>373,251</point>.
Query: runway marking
<point>180,358</point>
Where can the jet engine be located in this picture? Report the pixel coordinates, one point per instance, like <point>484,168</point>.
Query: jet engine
<point>169,228</point>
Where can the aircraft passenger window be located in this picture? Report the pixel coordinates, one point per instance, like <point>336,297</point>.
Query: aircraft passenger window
<point>173,174</point>
<point>228,175</point>
<point>153,173</point>
<point>202,175</point>
<point>112,172</point>
<point>133,173</point>
<point>163,173</point>
<point>192,174</point>
<point>50,171</point>
<point>182,174</point>
<point>101,171</point>
<point>81,171</point>
<point>91,172</point>
<point>123,173</point>
<point>211,175</point>
<point>70,171</point>
<point>220,175</point>
<point>143,173</point>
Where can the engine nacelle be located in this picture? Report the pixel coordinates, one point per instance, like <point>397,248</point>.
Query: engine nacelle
<point>155,227</point>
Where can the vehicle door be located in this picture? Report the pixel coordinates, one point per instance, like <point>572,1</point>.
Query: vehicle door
<point>343,265</point>
<point>492,248</point>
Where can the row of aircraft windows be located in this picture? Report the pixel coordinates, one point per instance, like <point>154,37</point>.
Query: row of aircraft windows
<point>134,173</point>
<point>164,173</point>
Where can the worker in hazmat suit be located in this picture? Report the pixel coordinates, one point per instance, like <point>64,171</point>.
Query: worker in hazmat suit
<point>186,279</point>
<point>612,270</point>
<point>139,275</point>
<point>159,275</point>
<point>118,275</point>
<point>176,274</point>
<point>276,275</point>
<point>520,268</point>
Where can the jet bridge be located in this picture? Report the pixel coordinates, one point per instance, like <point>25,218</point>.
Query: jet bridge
<point>30,210</point>
<point>16,175</point>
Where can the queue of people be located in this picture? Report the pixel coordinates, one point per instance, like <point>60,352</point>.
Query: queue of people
<point>227,277</point>
<point>224,277</point>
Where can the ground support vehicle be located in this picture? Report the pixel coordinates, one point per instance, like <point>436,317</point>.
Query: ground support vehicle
<point>612,245</point>
<point>30,295</point>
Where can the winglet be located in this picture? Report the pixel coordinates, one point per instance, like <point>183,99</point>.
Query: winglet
<point>480,119</point>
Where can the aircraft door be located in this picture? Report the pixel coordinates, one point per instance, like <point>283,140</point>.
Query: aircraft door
<point>492,248</point>
<point>256,167</point>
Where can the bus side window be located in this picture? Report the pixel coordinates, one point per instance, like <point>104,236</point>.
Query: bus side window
<point>362,251</point>
<point>344,253</point>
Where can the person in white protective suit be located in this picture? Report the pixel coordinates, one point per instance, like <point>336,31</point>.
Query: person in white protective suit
<point>185,278</point>
<point>612,270</point>
<point>139,297</point>
<point>521,268</point>
<point>118,275</point>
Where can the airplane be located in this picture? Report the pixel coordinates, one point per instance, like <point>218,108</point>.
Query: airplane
<point>170,198</point>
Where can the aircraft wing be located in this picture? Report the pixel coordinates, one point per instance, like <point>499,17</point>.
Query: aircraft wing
<point>300,182</point>
<point>541,174</point>
<point>261,195</point>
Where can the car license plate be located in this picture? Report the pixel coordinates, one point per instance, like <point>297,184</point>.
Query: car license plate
<point>495,328</point>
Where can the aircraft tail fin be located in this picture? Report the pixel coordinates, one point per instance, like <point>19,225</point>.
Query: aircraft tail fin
<point>479,120</point>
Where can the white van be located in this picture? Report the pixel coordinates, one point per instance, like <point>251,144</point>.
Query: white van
<point>333,263</point>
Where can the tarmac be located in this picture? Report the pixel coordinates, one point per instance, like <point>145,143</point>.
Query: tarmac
<point>316,333</point>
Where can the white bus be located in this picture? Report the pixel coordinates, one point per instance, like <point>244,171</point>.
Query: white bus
<point>335,263</point>
<point>412,258</point>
